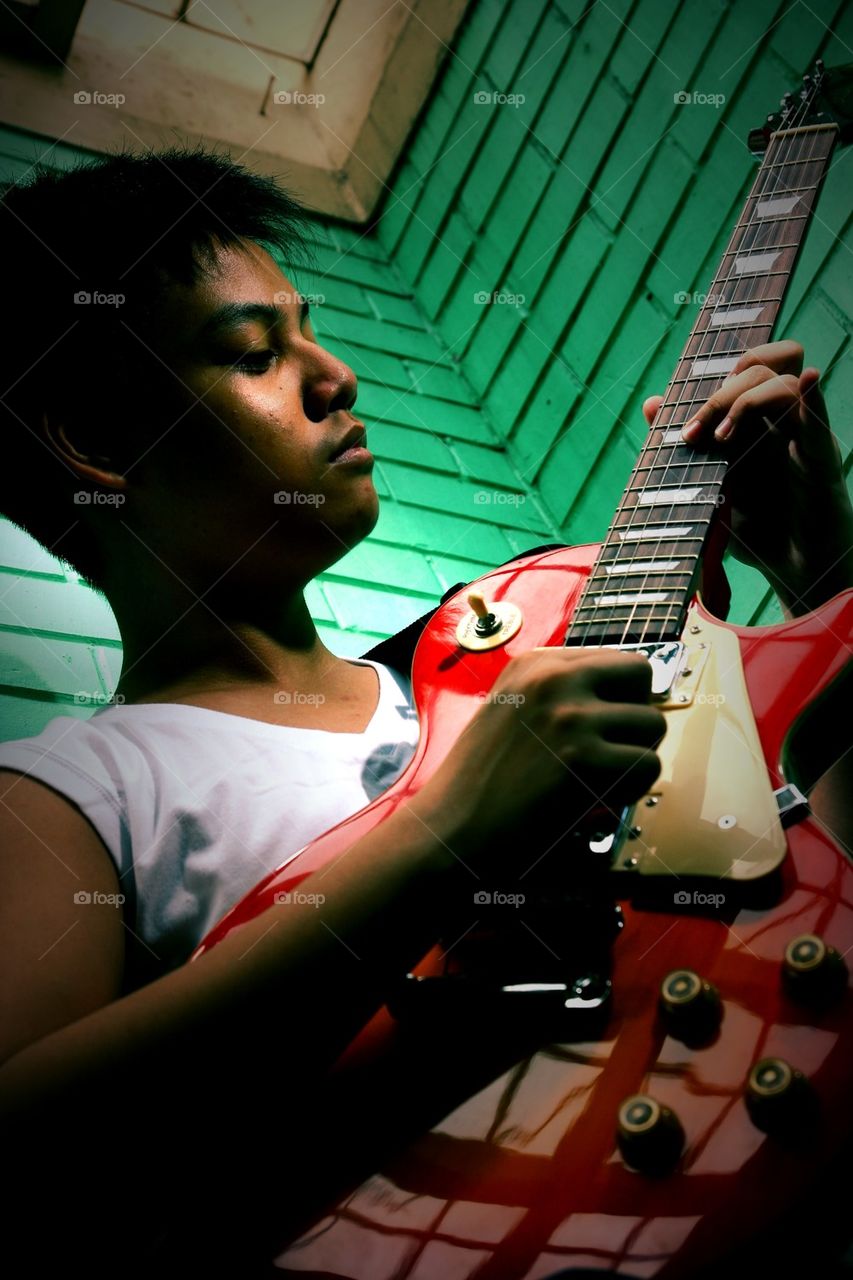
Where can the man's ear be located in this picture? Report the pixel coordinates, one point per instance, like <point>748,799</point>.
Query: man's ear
<point>79,453</point>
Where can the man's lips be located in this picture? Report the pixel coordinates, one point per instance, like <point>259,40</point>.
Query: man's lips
<point>355,438</point>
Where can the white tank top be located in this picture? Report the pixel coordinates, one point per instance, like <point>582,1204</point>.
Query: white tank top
<point>196,806</point>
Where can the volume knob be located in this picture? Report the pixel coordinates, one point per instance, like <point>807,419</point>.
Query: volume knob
<point>690,1005</point>
<point>649,1135</point>
<point>779,1098</point>
<point>813,973</point>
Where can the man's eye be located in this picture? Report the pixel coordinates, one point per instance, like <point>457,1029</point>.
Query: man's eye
<point>254,361</point>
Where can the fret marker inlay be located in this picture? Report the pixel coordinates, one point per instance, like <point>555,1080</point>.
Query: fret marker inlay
<point>664,497</point>
<point>642,566</point>
<point>781,204</point>
<point>652,533</point>
<point>641,597</point>
<point>754,263</point>
<point>736,315</point>
<point>714,364</point>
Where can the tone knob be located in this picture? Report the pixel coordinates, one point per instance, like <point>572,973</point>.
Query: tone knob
<point>779,1098</point>
<point>690,1005</point>
<point>649,1135</point>
<point>813,973</point>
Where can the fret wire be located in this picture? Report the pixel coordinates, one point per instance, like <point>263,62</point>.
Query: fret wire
<point>664,466</point>
<point>753,234</point>
<point>656,488</point>
<point>795,244</point>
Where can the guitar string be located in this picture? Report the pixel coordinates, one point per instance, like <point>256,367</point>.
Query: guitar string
<point>743,227</point>
<point>596,619</point>
<point>724,289</point>
<point>783,145</point>
<point>772,185</point>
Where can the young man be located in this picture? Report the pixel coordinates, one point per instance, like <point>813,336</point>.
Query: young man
<point>196,401</point>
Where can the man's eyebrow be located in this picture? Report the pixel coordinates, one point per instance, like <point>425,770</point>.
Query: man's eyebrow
<point>232,314</point>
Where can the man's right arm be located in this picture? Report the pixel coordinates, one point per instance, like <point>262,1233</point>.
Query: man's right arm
<point>178,1065</point>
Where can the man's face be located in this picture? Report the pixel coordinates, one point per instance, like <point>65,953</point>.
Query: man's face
<point>242,479</point>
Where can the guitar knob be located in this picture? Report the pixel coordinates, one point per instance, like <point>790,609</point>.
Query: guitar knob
<point>649,1135</point>
<point>813,973</point>
<point>690,1005</point>
<point>778,1097</point>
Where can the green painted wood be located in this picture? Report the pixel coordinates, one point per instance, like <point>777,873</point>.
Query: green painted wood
<point>599,203</point>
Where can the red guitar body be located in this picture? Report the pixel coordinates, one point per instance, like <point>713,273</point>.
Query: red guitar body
<point>473,1156</point>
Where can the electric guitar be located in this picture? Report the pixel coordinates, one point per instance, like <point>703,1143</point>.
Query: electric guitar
<point>639,1056</point>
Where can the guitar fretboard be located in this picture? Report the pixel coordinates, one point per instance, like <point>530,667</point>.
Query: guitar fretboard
<point>643,580</point>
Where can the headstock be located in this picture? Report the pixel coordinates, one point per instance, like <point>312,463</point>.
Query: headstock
<point>826,97</point>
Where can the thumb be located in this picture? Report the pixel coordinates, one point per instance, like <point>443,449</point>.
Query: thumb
<point>650,408</point>
<point>817,447</point>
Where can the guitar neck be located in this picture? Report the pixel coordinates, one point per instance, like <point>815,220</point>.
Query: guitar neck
<point>645,575</point>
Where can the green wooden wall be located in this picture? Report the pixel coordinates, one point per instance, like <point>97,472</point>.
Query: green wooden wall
<point>603,203</point>
<point>586,213</point>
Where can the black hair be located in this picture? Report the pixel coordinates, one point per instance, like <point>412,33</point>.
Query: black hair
<point>126,225</point>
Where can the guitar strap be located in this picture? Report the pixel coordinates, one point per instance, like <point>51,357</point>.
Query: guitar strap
<point>398,650</point>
